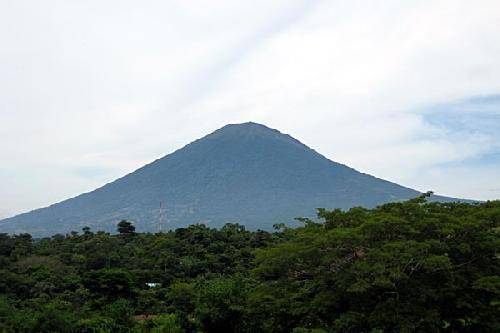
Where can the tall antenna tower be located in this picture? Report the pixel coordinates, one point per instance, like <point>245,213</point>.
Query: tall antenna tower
<point>162,216</point>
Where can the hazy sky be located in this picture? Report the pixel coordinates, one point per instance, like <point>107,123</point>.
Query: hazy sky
<point>405,90</point>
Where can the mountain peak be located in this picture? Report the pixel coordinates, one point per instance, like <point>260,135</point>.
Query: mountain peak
<point>248,124</point>
<point>245,128</point>
<point>252,131</point>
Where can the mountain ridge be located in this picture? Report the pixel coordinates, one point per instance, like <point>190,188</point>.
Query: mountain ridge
<point>246,173</point>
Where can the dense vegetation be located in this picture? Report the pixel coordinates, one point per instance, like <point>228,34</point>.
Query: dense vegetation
<point>402,267</point>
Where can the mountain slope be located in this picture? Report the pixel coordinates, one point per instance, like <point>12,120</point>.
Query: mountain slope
<point>245,173</point>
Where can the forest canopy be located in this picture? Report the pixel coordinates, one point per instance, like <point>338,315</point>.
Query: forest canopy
<point>411,266</point>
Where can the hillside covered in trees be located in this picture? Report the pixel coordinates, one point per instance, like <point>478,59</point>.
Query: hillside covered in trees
<point>400,267</point>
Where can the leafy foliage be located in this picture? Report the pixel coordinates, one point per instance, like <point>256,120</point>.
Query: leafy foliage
<point>402,267</point>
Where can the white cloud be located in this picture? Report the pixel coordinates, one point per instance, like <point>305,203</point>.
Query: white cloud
<point>112,85</point>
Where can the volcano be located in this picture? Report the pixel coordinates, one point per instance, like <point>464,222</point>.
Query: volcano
<point>243,173</point>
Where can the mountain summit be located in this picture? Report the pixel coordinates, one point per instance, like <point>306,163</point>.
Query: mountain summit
<point>246,173</point>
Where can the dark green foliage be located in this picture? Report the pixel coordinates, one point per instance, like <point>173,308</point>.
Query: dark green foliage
<point>124,228</point>
<point>402,267</point>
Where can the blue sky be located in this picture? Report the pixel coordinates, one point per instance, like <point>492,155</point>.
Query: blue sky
<point>474,116</point>
<point>473,123</point>
<point>408,91</point>
<point>476,120</point>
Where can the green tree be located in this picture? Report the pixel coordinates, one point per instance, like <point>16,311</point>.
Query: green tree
<point>125,228</point>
